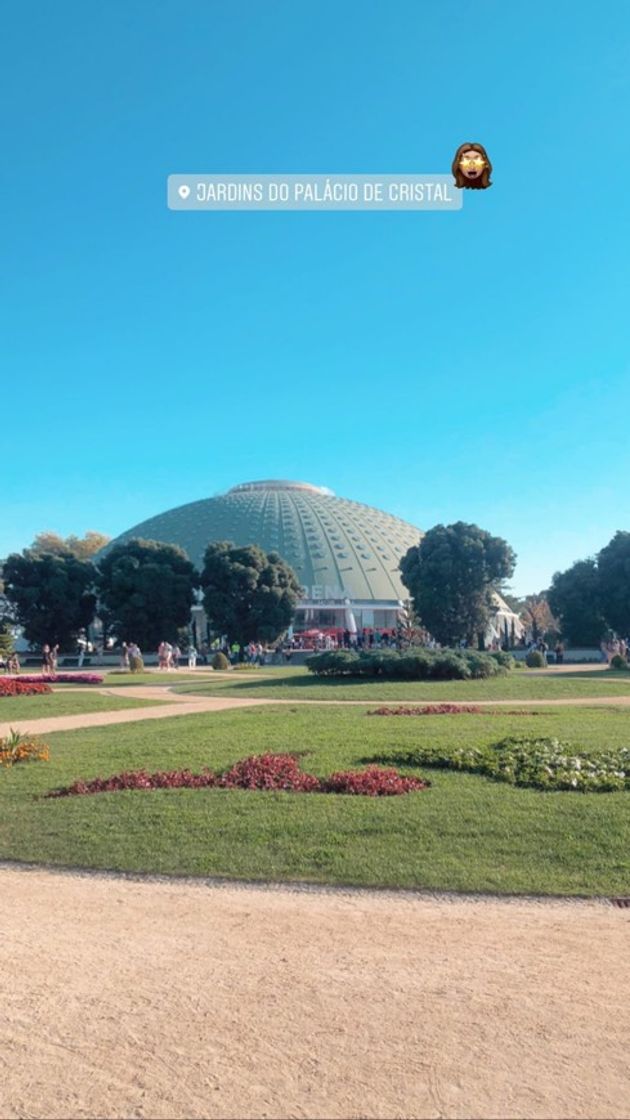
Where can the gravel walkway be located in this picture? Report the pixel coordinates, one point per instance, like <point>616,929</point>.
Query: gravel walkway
<point>186,704</point>
<point>177,1000</point>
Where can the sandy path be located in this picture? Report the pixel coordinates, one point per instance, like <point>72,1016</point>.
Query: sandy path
<point>184,704</point>
<point>144,999</point>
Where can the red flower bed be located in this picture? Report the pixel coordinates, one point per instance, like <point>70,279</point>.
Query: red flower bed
<point>375,781</point>
<point>265,772</point>
<point>449,710</point>
<point>63,678</point>
<point>269,771</point>
<point>15,686</point>
<point>140,779</point>
<point>429,710</point>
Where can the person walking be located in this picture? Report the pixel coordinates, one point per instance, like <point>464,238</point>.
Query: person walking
<point>46,660</point>
<point>192,657</point>
<point>175,656</point>
<point>54,657</point>
<point>124,657</point>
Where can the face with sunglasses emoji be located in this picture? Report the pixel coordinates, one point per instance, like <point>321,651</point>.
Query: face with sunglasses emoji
<point>471,167</point>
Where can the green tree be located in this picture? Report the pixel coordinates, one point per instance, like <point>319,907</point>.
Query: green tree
<point>84,548</point>
<point>575,599</point>
<point>452,576</point>
<point>146,590</point>
<point>249,594</point>
<point>52,595</point>
<point>613,567</point>
<point>7,643</point>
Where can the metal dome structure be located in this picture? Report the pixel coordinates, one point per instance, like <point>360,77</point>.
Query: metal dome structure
<point>344,553</point>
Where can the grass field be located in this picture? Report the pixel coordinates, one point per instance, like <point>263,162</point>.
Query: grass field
<point>63,702</point>
<point>299,684</point>
<point>466,833</point>
<point>163,680</point>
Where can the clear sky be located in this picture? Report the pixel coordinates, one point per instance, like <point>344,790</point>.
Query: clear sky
<point>443,366</point>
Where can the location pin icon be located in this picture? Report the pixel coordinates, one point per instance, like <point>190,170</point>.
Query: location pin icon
<point>183,191</point>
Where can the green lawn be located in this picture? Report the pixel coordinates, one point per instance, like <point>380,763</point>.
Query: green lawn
<point>162,680</point>
<point>466,833</point>
<point>299,684</point>
<point>65,703</point>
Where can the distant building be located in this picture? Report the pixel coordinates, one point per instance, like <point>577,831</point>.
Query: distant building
<point>344,553</point>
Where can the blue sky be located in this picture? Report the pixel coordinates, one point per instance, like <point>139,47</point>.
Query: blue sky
<point>470,365</point>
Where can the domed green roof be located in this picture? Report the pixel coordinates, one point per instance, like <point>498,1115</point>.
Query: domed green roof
<point>338,548</point>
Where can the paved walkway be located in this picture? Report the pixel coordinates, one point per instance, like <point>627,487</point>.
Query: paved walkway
<point>187,704</point>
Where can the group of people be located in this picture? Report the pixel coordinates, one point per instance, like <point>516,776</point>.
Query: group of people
<point>255,653</point>
<point>343,639</point>
<point>50,658</point>
<point>616,647</point>
<point>131,657</point>
<point>169,657</point>
<point>12,663</point>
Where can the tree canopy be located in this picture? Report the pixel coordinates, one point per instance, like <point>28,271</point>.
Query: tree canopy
<point>613,568</point>
<point>84,548</point>
<point>51,595</point>
<point>249,594</point>
<point>452,576</point>
<point>146,590</point>
<point>574,596</point>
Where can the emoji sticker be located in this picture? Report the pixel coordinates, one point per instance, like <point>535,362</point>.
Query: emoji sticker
<point>471,167</point>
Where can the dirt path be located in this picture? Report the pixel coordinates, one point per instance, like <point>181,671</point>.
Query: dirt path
<point>185,704</point>
<point>131,999</point>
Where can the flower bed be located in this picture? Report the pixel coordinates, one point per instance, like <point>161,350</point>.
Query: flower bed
<point>538,763</point>
<point>375,781</point>
<point>22,748</point>
<point>16,686</point>
<point>258,772</point>
<point>61,678</point>
<point>269,771</point>
<point>448,710</point>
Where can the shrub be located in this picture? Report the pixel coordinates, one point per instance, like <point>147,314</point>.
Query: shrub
<point>220,661</point>
<point>618,662</point>
<point>22,748</point>
<point>334,663</point>
<point>136,663</point>
<point>13,686</point>
<point>374,781</point>
<point>535,659</point>
<point>241,665</point>
<point>504,659</point>
<point>418,664</point>
<point>450,666</point>
<point>484,665</point>
<point>544,763</point>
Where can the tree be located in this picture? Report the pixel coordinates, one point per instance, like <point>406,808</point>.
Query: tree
<point>535,612</point>
<point>249,594</point>
<point>51,594</point>
<point>84,548</point>
<point>613,567</point>
<point>7,643</point>
<point>452,576</point>
<point>574,597</point>
<point>146,590</point>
